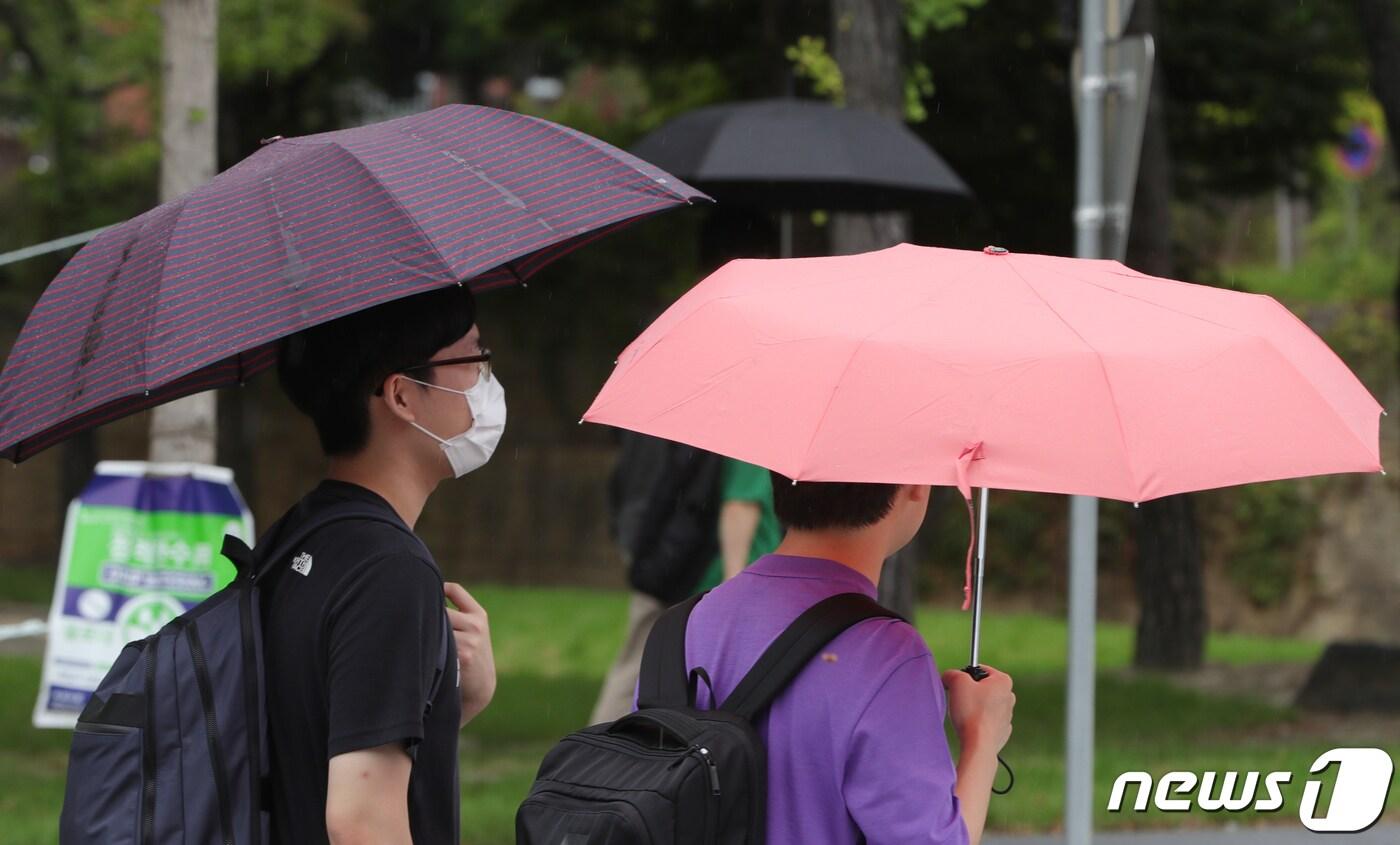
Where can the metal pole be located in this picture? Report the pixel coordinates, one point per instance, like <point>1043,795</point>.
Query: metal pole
<point>981,565</point>
<point>50,246</point>
<point>1079,704</point>
<point>785,234</point>
<point>1084,510</point>
<point>1089,211</point>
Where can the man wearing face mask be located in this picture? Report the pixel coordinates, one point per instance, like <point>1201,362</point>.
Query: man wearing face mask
<point>367,686</point>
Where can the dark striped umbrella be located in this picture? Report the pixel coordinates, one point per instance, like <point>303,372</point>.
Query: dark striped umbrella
<point>194,294</point>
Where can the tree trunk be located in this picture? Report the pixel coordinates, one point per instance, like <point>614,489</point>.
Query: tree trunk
<point>1171,630</point>
<point>1172,625</point>
<point>79,459</point>
<point>1378,31</point>
<point>237,424</point>
<point>184,430</point>
<point>866,44</point>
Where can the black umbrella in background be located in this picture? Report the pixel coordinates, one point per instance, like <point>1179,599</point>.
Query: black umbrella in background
<point>788,154</point>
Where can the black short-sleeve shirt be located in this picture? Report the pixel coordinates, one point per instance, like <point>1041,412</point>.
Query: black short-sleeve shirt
<point>353,640</point>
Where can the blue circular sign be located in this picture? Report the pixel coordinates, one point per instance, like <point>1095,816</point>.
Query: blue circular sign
<point>1360,151</point>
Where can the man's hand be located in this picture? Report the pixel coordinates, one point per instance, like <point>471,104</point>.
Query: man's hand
<point>980,710</point>
<point>474,658</point>
<point>981,714</point>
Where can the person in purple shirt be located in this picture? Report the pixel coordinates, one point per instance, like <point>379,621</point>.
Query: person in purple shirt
<point>856,745</point>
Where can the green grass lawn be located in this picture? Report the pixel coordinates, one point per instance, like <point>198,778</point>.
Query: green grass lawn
<point>553,645</point>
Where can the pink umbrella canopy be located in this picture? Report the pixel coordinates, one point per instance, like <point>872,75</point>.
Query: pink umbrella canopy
<point>922,365</point>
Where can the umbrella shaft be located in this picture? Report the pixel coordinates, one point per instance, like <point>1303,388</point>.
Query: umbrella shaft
<point>980,565</point>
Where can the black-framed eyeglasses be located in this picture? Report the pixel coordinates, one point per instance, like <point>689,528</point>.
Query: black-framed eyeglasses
<point>483,358</point>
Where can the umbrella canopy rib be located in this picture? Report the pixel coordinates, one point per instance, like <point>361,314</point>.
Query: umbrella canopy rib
<point>1103,372</point>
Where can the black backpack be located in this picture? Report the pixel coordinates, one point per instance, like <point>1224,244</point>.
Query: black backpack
<point>669,773</point>
<point>663,507</point>
<point>172,746</point>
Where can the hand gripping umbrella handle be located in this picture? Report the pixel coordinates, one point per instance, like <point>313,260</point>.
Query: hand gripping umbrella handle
<point>977,673</point>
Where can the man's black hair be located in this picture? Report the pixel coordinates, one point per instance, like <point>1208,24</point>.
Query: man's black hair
<point>331,370</point>
<point>825,505</point>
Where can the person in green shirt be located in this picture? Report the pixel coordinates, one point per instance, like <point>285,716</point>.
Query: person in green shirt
<point>748,527</point>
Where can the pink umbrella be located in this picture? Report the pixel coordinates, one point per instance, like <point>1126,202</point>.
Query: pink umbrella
<point>920,365</point>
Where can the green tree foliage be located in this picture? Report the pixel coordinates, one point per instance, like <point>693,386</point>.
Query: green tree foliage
<point>813,62</point>
<point>1253,87</point>
<point>265,41</point>
<point>66,69</point>
<point>1001,117</point>
<point>80,79</point>
<point>924,17</point>
<point>1262,533</point>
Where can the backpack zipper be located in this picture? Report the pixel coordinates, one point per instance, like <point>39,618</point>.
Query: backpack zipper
<point>704,754</point>
<point>711,806</point>
<point>618,744</point>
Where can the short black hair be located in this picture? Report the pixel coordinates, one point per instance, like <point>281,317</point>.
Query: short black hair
<point>824,505</point>
<point>329,371</point>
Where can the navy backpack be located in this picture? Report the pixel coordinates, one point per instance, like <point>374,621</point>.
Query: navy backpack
<point>172,746</point>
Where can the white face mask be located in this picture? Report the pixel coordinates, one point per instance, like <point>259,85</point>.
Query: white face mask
<point>472,448</point>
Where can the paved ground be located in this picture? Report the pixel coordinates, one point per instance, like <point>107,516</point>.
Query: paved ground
<point>16,628</point>
<point>1298,835</point>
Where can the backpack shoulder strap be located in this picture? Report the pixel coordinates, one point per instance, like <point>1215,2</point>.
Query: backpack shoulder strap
<point>446,644</point>
<point>256,562</point>
<point>664,681</point>
<point>795,647</point>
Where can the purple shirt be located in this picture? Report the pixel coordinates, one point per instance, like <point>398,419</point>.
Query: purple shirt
<point>856,745</point>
